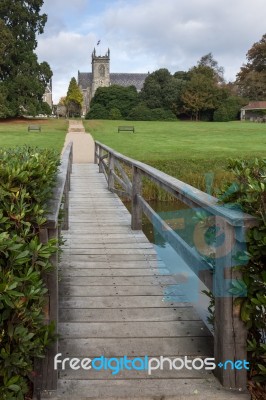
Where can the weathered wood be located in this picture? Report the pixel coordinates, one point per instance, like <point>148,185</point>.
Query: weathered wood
<point>111,166</point>
<point>139,346</point>
<point>47,376</point>
<point>195,196</point>
<point>133,329</point>
<point>123,173</point>
<point>147,389</point>
<point>230,339</point>
<point>129,314</point>
<point>136,209</point>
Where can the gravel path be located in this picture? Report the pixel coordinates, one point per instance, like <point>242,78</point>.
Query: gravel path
<point>83,144</point>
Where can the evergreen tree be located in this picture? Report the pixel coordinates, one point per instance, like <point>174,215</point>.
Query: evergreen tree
<point>74,99</point>
<point>22,78</point>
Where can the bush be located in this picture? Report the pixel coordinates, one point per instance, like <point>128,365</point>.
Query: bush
<point>143,113</point>
<point>249,192</point>
<point>27,176</point>
<point>97,111</point>
<point>115,113</point>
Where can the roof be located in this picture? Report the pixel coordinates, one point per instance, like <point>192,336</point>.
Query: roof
<point>122,79</point>
<point>84,79</point>
<point>255,105</point>
<point>128,79</point>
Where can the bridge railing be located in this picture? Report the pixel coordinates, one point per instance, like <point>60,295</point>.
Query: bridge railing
<point>46,376</point>
<point>230,334</point>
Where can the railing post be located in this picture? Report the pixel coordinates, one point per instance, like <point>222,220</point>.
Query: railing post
<point>46,376</point>
<point>65,224</point>
<point>230,333</point>
<point>136,211</point>
<point>111,166</point>
<point>96,148</point>
<point>100,161</point>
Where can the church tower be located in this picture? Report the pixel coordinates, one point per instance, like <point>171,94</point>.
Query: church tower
<point>100,71</point>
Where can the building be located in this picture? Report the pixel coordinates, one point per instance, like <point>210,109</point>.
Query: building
<point>254,111</point>
<point>102,77</point>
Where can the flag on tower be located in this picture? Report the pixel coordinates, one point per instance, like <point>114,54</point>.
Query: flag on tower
<point>98,42</point>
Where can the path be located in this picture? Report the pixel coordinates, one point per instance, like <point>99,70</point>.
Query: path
<point>83,144</point>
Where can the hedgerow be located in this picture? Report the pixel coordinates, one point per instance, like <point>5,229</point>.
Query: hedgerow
<point>27,176</point>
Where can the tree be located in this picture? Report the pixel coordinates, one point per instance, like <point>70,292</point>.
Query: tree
<point>229,110</point>
<point>251,79</point>
<point>205,90</point>
<point>116,97</point>
<point>210,62</point>
<point>22,78</point>
<point>74,99</point>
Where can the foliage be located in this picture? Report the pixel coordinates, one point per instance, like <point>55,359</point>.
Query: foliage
<point>97,111</point>
<point>163,90</point>
<point>202,92</point>
<point>250,194</point>
<point>114,113</point>
<point>27,176</point>
<point>74,99</point>
<point>229,110</point>
<point>113,97</point>
<point>22,78</point>
<point>252,77</point>
<point>142,113</point>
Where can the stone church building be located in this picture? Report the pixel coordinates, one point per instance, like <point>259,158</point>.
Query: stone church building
<point>102,77</point>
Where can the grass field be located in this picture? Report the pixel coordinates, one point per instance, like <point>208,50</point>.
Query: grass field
<point>15,133</point>
<point>187,150</point>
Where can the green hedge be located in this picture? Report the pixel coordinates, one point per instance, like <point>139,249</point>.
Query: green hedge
<point>27,176</point>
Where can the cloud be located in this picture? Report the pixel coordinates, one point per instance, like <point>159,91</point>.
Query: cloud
<point>66,52</point>
<point>149,34</point>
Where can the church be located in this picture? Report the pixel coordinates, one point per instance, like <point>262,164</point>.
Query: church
<point>102,77</point>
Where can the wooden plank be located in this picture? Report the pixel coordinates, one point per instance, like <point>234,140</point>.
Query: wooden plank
<point>193,346</point>
<point>119,281</point>
<point>154,389</point>
<point>133,329</point>
<point>87,272</point>
<point>80,291</point>
<point>107,264</point>
<point>171,313</point>
<point>121,302</point>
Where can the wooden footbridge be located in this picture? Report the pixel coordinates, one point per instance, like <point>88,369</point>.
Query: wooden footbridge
<point>107,293</point>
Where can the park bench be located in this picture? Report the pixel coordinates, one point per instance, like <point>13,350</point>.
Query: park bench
<point>34,128</point>
<point>126,128</point>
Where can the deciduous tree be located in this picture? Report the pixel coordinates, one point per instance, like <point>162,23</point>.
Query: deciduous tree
<point>251,79</point>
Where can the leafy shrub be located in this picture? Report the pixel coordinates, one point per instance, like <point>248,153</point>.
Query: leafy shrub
<point>27,176</point>
<point>97,111</point>
<point>115,114</point>
<point>249,192</point>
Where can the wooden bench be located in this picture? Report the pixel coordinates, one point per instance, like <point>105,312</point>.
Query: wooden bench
<point>34,128</point>
<point>126,128</point>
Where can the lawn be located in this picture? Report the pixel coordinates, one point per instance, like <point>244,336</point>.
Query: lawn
<point>15,133</point>
<point>187,150</point>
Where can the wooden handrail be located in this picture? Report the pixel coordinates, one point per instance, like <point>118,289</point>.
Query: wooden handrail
<point>46,376</point>
<point>230,332</point>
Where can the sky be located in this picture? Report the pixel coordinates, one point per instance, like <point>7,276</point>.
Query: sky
<point>145,35</point>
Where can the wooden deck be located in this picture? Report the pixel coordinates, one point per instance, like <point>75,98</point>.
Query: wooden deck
<point>112,303</point>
